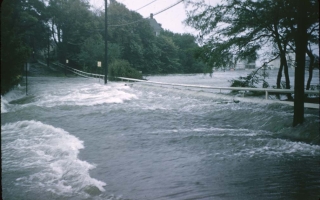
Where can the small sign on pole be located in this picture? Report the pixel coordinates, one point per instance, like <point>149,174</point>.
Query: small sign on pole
<point>65,68</point>
<point>27,69</point>
<point>99,65</point>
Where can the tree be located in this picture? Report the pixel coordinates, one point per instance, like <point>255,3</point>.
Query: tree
<point>241,27</point>
<point>237,30</point>
<point>226,32</point>
<point>187,48</point>
<point>71,24</point>
<point>135,37</point>
<point>92,50</point>
<point>301,41</point>
<point>22,25</point>
<point>168,55</point>
<point>313,62</point>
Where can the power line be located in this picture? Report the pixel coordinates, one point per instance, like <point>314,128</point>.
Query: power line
<point>125,24</point>
<point>146,5</point>
<point>167,8</point>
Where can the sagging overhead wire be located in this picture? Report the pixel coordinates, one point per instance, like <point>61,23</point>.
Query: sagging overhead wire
<point>167,8</point>
<point>129,23</point>
<point>146,5</point>
<point>125,24</point>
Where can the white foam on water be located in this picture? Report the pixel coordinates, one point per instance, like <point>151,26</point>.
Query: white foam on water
<point>89,95</point>
<point>49,156</point>
<point>79,94</point>
<point>277,148</point>
<point>246,142</point>
<point>216,132</point>
<point>17,93</point>
<point>4,105</point>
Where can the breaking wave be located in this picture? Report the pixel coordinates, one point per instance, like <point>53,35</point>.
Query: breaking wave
<point>50,156</point>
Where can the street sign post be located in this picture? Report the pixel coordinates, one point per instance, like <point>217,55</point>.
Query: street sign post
<point>99,65</point>
<point>65,68</point>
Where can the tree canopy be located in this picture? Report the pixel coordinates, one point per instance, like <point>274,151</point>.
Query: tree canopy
<point>240,29</point>
<point>22,32</point>
<point>71,29</point>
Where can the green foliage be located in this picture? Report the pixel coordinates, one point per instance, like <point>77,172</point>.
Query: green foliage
<point>76,33</point>
<point>92,50</point>
<point>16,23</point>
<point>114,52</point>
<point>72,23</point>
<point>122,68</point>
<point>167,53</point>
<point>186,52</point>
<point>237,29</point>
<point>252,80</point>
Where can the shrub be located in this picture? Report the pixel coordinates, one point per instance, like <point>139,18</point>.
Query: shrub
<point>250,81</point>
<point>122,68</point>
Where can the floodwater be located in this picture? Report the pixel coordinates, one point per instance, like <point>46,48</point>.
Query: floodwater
<point>75,138</point>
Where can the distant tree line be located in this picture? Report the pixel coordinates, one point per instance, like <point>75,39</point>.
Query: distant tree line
<point>56,30</point>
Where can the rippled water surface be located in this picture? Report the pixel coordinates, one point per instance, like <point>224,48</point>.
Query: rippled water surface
<point>75,138</point>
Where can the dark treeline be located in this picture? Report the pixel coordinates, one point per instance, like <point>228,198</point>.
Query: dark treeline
<point>57,30</point>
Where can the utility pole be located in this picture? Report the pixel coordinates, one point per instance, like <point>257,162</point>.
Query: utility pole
<point>301,40</point>
<point>26,79</point>
<point>106,43</point>
<point>65,68</point>
<point>48,49</point>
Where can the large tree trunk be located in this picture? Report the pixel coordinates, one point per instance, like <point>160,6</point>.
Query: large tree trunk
<point>311,56</point>
<point>279,78</point>
<point>286,74</point>
<point>283,60</point>
<point>283,66</point>
<point>301,47</point>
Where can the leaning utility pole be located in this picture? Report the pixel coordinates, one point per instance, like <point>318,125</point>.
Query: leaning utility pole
<point>106,43</point>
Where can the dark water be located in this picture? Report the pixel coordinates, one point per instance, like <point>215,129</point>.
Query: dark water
<point>74,138</point>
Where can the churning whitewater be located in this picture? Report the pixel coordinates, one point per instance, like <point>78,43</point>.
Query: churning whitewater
<point>49,154</point>
<point>76,138</point>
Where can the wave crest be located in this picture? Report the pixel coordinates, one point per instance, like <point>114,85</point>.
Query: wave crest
<point>49,155</point>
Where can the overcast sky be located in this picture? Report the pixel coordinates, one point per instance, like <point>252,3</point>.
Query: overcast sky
<point>171,19</point>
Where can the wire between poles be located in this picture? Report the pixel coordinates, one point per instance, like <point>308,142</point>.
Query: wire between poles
<point>146,5</point>
<point>128,23</point>
<point>167,8</point>
<point>125,24</point>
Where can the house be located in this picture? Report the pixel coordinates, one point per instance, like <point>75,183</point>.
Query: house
<point>245,64</point>
<point>236,64</point>
<point>155,25</point>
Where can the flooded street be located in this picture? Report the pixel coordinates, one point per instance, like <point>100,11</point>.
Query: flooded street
<point>75,138</point>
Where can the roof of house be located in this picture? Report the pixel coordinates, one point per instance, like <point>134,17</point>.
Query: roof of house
<point>154,24</point>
